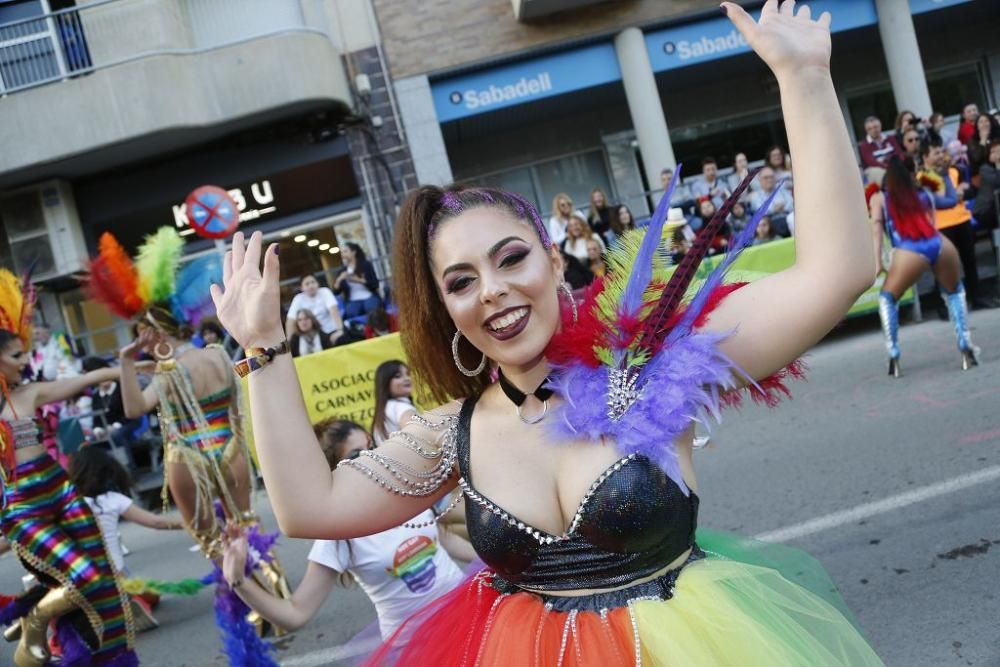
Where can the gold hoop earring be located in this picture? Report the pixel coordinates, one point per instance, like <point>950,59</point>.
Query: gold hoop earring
<point>458,360</point>
<point>163,356</point>
<point>565,289</point>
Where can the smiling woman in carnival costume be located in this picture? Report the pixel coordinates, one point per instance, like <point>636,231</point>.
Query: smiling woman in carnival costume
<point>47,523</point>
<point>197,398</point>
<point>577,469</point>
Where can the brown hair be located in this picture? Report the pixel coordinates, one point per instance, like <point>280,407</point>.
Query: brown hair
<point>384,375</point>
<point>425,326</point>
<point>161,316</point>
<point>311,316</point>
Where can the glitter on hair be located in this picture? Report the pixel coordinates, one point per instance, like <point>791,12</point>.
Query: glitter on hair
<point>521,207</point>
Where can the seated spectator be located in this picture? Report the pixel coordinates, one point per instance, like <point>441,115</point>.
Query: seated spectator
<point>763,233</point>
<point>575,272</point>
<point>621,222</point>
<point>595,258</point>
<point>682,197</point>
<point>985,207</point>
<point>741,169</point>
<point>599,217</point>
<point>781,206</point>
<point>876,149</point>
<point>777,159</point>
<point>739,217</point>
<point>958,155</point>
<point>108,420</point>
<point>357,283</point>
<point>380,323</point>
<point>910,143</point>
<point>680,244</point>
<point>578,233</point>
<point>710,185</point>
<point>319,301</point>
<point>936,130</point>
<point>987,132</point>
<point>308,338</point>
<point>562,211</point>
<point>720,242</point>
<point>967,128</point>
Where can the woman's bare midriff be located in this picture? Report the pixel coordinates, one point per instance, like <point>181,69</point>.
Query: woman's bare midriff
<point>28,453</point>
<point>676,563</point>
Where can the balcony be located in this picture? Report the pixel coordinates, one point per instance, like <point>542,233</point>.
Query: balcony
<point>112,81</point>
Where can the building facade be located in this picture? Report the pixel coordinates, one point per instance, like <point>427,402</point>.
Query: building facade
<point>112,111</point>
<point>561,96</point>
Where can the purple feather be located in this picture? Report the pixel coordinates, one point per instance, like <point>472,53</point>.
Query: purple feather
<point>17,608</point>
<point>240,642</point>
<point>680,384</point>
<point>75,653</point>
<point>123,658</point>
<point>642,270</point>
<point>742,241</point>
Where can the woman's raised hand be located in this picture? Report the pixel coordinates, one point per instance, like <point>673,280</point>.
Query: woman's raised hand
<point>785,39</point>
<point>147,337</point>
<point>248,305</point>
<point>234,555</point>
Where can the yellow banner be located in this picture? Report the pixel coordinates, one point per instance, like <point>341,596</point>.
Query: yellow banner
<point>340,382</point>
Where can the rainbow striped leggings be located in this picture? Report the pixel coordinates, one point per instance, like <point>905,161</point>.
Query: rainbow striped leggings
<point>54,534</point>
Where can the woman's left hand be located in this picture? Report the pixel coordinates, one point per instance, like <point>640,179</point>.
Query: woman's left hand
<point>788,41</point>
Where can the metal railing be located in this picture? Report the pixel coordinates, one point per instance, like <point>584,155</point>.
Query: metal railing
<point>59,45</point>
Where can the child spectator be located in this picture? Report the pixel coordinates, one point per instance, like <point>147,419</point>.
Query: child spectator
<point>307,337</point>
<point>106,486</point>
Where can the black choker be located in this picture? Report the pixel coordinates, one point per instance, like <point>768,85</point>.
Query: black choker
<point>518,397</point>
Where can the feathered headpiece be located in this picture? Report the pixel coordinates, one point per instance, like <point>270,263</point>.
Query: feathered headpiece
<point>17,301</point>
<point>632,367</point>
<point>932,181</point>
<point>129,288</point>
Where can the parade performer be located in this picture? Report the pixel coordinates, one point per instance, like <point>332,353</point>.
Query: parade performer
<point>196,395</point>
<point>576,465</point>
<point>47,523</point>
<point>904,209</point>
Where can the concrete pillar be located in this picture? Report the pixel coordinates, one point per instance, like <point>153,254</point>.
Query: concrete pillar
<point>423,132</point>
<point>902,54</point>
<point>644,105</point>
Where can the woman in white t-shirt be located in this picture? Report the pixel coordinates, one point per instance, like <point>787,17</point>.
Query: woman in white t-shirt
<point>401,569</point>
<point>105,484</point>
<point>578,234</point>
<point>393,405</point>
<point>322,303</point>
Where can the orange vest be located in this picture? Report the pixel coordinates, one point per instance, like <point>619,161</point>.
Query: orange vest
<point>950,217</point>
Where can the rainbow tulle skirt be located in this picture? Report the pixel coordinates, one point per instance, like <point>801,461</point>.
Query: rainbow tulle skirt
<point>743,603</point>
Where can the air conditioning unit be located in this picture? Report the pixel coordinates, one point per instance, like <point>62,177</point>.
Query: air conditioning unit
<point>43,229</point>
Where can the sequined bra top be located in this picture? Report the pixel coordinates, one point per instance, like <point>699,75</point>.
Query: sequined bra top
<point>632,522</point>
<point>25,433</point>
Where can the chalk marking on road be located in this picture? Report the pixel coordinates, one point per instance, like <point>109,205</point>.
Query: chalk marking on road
<point>892,503</point>
<point>328,655</point>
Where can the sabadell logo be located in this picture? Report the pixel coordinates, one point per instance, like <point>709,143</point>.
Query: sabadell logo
<point>484,97</point>
<point>687,49</point>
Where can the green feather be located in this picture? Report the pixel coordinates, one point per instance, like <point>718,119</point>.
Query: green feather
<point>157,264</point>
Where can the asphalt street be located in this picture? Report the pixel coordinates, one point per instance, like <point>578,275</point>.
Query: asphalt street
<point>894,485</point>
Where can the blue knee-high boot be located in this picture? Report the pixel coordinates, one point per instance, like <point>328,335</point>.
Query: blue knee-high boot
<point>958,312</point>
<point>888,312</point>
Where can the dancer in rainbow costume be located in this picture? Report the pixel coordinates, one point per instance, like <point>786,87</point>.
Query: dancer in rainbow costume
<point>198,399</point>
<point>47,523</point>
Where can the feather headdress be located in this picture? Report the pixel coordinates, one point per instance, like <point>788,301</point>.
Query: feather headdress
<point>17,301</point>
<point>632,367</point>
<point>128,288</point>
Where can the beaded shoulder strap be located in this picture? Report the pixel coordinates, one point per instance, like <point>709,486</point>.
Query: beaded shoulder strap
<point>416,461</point>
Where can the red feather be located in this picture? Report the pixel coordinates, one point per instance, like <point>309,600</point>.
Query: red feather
<point>112,279</point>
<point>576,342</point>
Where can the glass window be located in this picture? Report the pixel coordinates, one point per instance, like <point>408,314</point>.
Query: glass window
<point>576,175</point>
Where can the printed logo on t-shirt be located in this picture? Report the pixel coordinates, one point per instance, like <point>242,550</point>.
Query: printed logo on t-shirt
<point>414,563</point>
